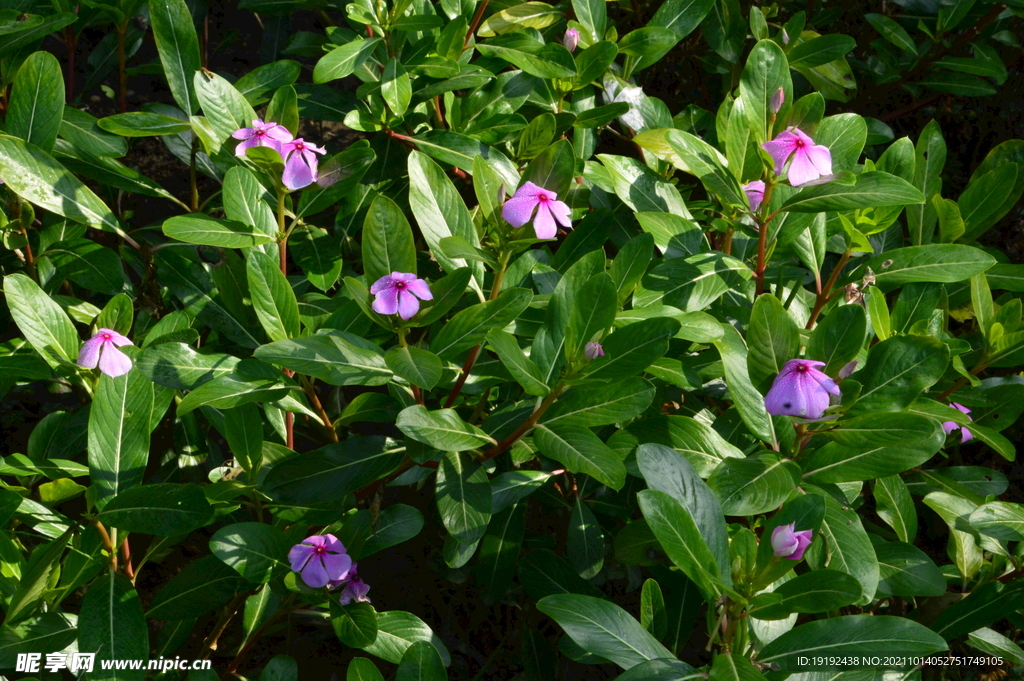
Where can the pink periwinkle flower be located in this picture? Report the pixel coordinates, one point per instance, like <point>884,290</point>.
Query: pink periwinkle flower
<point>571,39</point>
<point>300,163</point>
<point>755,193</point>
<point>593,350</point>
<point>261,135</point>
<point>801,390</point>
<point>398,292</point>
<point>102,350</point>
<point>786,543</point>
<point>518,210</point>
<point>320,559</point>
<point>810,160</point>
<point>950,426</point>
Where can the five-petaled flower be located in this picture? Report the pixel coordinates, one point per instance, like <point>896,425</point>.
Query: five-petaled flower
<point>950,426</point>
<point>755,193</point>
<point>810,160</point>
<point>261,135</point>
<point>398,292</point>
<point>102,350</point>
<point>320,559</point>
<point>571,39</point>
<point>593,350</point>
<point>801,389</point>
<point>786,543</point>
<point>300,163</point>
<point>518,210</point>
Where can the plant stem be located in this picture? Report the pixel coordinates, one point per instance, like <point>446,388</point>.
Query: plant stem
<point>826,293</point>
<point>272,620</point>
<point>961,382</point>
<point>523,429</point>
<point>476,23</point>
<point>126,555</point>
<point>282,248</point>
<point>229,611</point>
<point>107,543</point>
<point>192,173</point>
<point>307,385</point>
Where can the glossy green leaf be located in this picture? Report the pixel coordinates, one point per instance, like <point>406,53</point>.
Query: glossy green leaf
<point>37,101</point>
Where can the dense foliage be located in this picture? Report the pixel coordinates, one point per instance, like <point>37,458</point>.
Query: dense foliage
<point>681,393</point>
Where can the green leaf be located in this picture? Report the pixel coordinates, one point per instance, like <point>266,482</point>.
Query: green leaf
<point>37,101</point>
<point>543,573</point>
<point>88,264</point>
<point>906,571</point>
<point>35,578</point>
<point>441,429</point>
<point>893,32</point>
<point>113,625</point>
<point>199,588</point>
<point>44,324</point>
<point>773,340</point>
<point>396,87</point>
<point>984,201</point>
<point>748,401</point>
<point>815,591</point>
<point>894,505</point>
<point>581,451</point>
<point>849,548</point>
<point>754,485</point>
<point>243,429</point>
<point>553,169</point>
<point>522,368</point>
<point>198,228</point>
<point>338,358</point>
<point>591,406</point>
<point>603,628</point>
<point>695,156</point>
<point>593,16</point>
<point>421,662</point>
<point>986,604</point>
<point>361,669</point>
<point>692,283</point>
<point>396,524</point>
<point>83,131</point>
<point>838,338</point>
<point>938,263</point>
<point>585,542</point>
<point>387,241</point>
<point>538,15</point>
<point>143,124</point>
<point>681,16</point>
<point>178,366</point>
<point>471,326</point>
<point>416,365</point>
<point>178,47</point>
<point>343,61</point>
<point>499,550</point>
<point>272,296</point>
<point>653,617</point>
<point>897,371</point>
<point>593,311</point>
<point>674,526</point>
<point>821,50</point>
<point>331,472</point>
<point>232,390</point>
<point>930,157</point>
<point>119,427</point>
<point>632,349</point>
<point>591,64</point>
<point>549,60</point>
<point>254,550</point>
<point>873,188</point>
<point>280,668</point>
<point>765,72</point>
<point>355,624</point>
<point>165,509</point>
<point>851,635</point>
<point>661,669</point>
<point>397,631</point>
<point>35,176</point>
<point>999,519</point>
<point>49,631</point>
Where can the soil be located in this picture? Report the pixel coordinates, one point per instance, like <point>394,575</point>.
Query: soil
<point>484,639</point>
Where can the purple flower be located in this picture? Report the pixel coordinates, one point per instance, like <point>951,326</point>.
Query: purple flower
<point>355,589</point>
<point>810,160</point>
<point>950,426</point>
<point>300,163</point>
<point>261,135</point>
<point>571,39</point>
<point>320,559</point>
<point>800,390</point>
<point>518,210</point>
<point>397,292</point>
<point>789,544</point>
<point>593,350</point>
<point>755,193</point>
<point>778,99</point>
<point>102,350</point>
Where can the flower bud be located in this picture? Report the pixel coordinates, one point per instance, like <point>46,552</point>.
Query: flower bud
<point>571,39</point>
<point>785,37</point>
<point>787,543</point>
<point>593,350</point>
<point>777,99</point>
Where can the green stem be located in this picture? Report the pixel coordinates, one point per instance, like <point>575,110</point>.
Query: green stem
<point>192,175</point>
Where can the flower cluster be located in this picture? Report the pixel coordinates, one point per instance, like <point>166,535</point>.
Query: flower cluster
<point>300,162</point>
<point>321,560</point>
<point>801,390</point>
<point>102,350</point>
<point>398,292</point>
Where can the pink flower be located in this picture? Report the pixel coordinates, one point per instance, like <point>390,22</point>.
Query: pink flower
<point>950,426</point>
<point>300,163</point>
<point>778,99</point>
<point>320,559</point>
<point>810,160</point>
<point>518,210</point>
<point>355,589</point>
<point>571,39</point>
<point>789,544</point>
<point>102,350</point>
<point>397,292</point>
<point>261,135</point>
<point>800,390</point>
<point>755,193</point>
<point>593,350</point>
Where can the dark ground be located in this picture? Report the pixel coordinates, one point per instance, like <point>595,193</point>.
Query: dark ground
<point>484,640</point>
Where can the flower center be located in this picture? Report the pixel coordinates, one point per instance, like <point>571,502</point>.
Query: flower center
<point>799,143</point>
<point>543,199</point>
<point>107,336</point>
<point>320,550</point>
<point>801,368</point>
<point>299,146</point>
<point>400,285</point>
<point>260,133</point>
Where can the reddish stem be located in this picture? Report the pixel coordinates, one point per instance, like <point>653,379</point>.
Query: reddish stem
<point>476,23</point>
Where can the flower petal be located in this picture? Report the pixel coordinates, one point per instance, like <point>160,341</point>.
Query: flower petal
<point>561,212</point>
<point>780,149</point>
<point>385,282</point>
<point>544,224</point>
<point>408,305</point>
<point>296,173</point>
<point>386,301</point>
<point>113,362</point>
<point>279,133</point>
<point>248,143</point>
<point>337,565</point>
<point>89,355</point>
<point>315,575</point>
<point>820,157</point>
<point>298,556</point>
<point>116,338</point>
<point>802,170</point>
<point>419,288</point>
<point>518,210</point>
<point>243,133</point>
